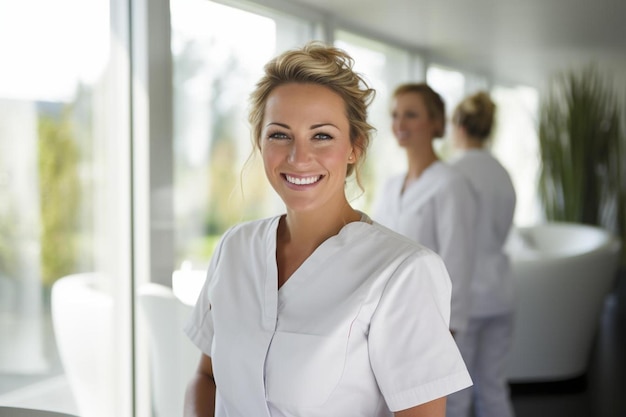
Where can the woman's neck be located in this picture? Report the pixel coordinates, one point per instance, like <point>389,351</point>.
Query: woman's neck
<point>311,229</point>
<point>418,162</point>
<point>469,142</point>
<point>301,233</point>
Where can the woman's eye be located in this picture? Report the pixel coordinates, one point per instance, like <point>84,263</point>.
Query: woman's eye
<point>322,136</point>
<point>277,135</point>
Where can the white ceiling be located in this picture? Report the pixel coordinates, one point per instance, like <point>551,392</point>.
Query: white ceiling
<point>519,41</point>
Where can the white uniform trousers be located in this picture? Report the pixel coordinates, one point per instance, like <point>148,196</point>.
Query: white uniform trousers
<point>485,346</point>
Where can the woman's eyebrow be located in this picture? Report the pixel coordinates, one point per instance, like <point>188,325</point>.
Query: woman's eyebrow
<point>315,126</point>
<point>277,124</point>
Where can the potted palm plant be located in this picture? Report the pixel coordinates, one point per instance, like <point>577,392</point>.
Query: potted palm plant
<point>582,146</point>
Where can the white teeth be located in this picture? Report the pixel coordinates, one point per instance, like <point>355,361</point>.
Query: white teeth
<point>302,181</point>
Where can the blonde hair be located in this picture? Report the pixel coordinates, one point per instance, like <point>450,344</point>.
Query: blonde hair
<point>318,63</point>
<point>476,115</point>
<point>435,105</point>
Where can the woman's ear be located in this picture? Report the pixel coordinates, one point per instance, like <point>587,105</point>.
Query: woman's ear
<point>354,155</point>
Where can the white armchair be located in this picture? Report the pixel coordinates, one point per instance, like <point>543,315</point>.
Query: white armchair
<point>562,273</point>
<point>82,314</point>
<point>173,357</point>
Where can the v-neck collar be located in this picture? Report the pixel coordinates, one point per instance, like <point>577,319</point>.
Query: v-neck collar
<point>322,255</point>
<point>416,184</point>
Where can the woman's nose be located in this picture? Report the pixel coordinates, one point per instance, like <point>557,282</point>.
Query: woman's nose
<point>299,152</point>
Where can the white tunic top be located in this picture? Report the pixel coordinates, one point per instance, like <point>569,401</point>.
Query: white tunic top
<point>361,328</point>
<point>437,210</point>
<point>492,284</point>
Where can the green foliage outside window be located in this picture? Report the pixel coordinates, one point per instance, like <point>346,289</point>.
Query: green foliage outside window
<point>60,197</point>
<point>8,236</point>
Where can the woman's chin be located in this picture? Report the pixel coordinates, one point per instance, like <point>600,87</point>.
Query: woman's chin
<point>403,143</point>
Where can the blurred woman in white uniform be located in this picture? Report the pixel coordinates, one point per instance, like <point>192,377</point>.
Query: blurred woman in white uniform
<point>431,203</point>
<point>320,311</point>
<point>487,341</point>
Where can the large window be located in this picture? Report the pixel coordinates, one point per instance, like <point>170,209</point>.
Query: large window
<point>64,207</point>
<point>450,85</point>
<point>516,145</point>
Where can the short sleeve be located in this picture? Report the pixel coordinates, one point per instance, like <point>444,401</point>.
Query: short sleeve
<point>199,327</point>
<point>412,353</point>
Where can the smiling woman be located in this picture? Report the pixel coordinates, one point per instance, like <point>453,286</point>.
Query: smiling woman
<point>306,146</point>
<point>323,294</point>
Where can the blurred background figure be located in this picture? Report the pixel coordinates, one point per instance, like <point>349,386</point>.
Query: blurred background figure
<point>431,203</point>
<point>486,342</point>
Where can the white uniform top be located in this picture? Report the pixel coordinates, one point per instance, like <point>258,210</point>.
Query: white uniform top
<point>437,210</point>
<point>492,284</point>
<point>359,329</point>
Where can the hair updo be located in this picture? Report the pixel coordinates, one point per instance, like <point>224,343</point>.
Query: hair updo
<point>476,115</point>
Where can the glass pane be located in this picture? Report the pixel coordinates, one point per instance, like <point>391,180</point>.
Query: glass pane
<point>516,145</point>
<point>383,67</point>
<point>64,269</point>
<point>450,85</point>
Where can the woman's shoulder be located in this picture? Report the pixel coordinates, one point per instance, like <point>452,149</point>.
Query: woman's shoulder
<point>444,170</point>
<point>481,166</point>
<point>392,180</point>
<point>403,254</point>
<point>387,240</point>
<point>256,224</point>
<point>251,229</point>
<point>476,159</point>
<point>448,175</point>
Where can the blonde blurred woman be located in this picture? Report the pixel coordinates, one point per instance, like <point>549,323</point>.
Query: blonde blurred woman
<point>486,342</point>
<point>430,203</point>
